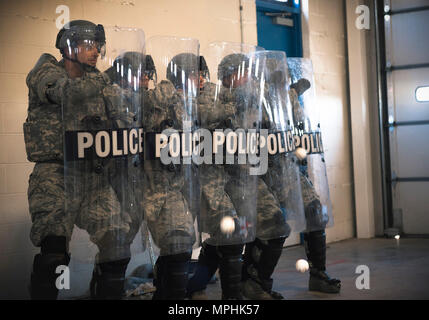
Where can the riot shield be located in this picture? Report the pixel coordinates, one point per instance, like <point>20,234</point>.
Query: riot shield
<point>171,194</point>
<point>280,207</point>
<point>229,114</point>
<point>308,137</point>
<point>103,141</point>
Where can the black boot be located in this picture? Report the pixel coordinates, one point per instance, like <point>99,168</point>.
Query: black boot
<point>260,260</point>
<point>108,280</point>
<point>315,248</point>
<point>43,278</point>
<point>171,276</point>
<point>230,266</point>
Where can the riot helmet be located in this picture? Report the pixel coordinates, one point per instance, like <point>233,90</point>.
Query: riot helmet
<point>81,36</point>
<point>181,68</point>
<point>232,69</point>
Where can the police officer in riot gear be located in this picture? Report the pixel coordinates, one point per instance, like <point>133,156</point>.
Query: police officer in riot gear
<point>225,188</point>
<point>316,218</point>
<point>66,96</point>
<point>167,196</point>
<point>52,228</point>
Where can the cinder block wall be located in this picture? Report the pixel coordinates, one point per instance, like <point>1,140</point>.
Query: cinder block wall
<point>325,44</point>
<point>27,29</point>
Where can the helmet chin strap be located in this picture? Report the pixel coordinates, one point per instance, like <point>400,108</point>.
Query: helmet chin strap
<point>84,66</point>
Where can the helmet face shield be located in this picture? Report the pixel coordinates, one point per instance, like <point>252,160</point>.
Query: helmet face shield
<point>90,45</point>
<point>182,73</point>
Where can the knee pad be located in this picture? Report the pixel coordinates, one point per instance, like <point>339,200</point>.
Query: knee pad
<point>53,244</point>
<point>176,241</point>
<point>230,250</point>
<point>53,253</point>
<point>114,246</point>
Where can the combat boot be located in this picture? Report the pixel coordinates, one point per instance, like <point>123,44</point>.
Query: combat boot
<point>108,280</point>
<point>256,290</point>
<point>171,276</point>
<point>320,281</point>
<point>43,278</point>
<point>260,260</point>
<point>315,247</point>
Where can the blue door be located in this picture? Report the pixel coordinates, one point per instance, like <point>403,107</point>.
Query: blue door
<point>279,26</point>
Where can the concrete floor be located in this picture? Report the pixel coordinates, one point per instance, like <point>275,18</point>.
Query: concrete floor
<point>399,269</point>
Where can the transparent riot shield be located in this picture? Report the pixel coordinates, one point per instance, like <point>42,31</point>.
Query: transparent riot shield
<point>103,141</point>
<point>230,116</point>
<point>171,192</point>
<point>280,206</point>
<point>308,140</point>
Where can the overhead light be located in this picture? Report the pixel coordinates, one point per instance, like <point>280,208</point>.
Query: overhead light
<point>422,94</point>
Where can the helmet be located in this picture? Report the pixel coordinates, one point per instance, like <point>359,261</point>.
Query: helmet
<point>274,75</point>
<point>79,30</point>
<point>230,64</point>
<point>125,66</point>
<point>182,63</point>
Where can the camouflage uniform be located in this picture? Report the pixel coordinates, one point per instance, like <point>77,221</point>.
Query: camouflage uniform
<point>241,187</point>
<point>261,255</point>
<point>309,194</point>
<point>226,191</point>
<point>215,201</point>
<point>43,133</point>
<point>126,174</point>
<point>314,236</point>
<point>166,211</point>
<point>97,211</point>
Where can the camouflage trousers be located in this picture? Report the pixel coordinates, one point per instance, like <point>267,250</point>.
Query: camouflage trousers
<point>57,203</point>
<point>166,211</point>
<point>215,202</point>
<point>271,221</point>
<point>308,192</point>
<point>315,218</point>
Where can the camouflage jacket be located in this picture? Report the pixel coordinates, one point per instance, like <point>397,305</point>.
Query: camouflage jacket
<point>164,107</point>
<point>43,131</point>
<point>212,113</point>
<point>58,103</point>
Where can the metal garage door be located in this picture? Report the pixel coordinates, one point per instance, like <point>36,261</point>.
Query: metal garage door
<point>406,29</point>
